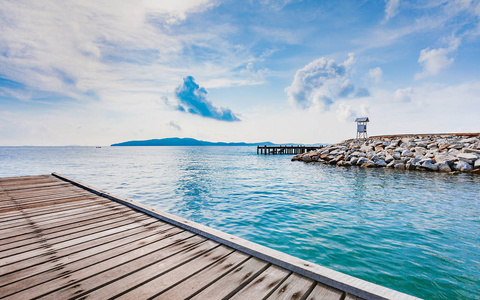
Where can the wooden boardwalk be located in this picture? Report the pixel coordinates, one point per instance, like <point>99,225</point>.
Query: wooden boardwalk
<point>60,239</point>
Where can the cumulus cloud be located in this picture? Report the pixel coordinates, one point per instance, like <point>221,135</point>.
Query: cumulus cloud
<point>321,82</point>
<point>193,99</point>
<point>404,95</point>
<point>435,60</point>
<point>376,74</point>
<point>391,8</point>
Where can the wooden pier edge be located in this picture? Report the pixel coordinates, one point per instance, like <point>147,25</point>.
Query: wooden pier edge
<point>341,281</point>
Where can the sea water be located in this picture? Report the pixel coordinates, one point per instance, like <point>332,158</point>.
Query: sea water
<point>415,232</point>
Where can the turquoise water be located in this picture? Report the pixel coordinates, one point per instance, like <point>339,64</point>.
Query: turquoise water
<point>415,232</point>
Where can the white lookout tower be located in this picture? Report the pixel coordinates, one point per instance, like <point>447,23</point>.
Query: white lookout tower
<point>362,127</point>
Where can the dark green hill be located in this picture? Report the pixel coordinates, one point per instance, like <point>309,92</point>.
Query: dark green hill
<point>183,142</point>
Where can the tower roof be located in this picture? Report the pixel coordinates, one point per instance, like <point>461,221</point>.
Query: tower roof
<point>362,119</point>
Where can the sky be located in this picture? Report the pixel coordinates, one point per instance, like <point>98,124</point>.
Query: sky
<point>76,72</point>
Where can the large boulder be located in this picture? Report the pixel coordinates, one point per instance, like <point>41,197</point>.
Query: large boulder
<point>429,165</point>
<point>444,167</point>
<point>463,166</point>
<point>381,163</point>
<point>400,166</point>
<point>407,153</point>
<point>445,158</point>
<point>361,161</point>
<point>421,150</point>
<point>467,156</point>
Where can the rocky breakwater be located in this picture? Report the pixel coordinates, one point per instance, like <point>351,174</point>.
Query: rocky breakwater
<point>441,153</point>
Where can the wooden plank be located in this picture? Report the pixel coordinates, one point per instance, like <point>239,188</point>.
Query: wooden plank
<point>54,218</point>
<point>46,210</point>
<point>54,241</point>
<point>88,263</point>
<point>10,233</point>
<point>67,232</point>
<point>47,214</point>
<point>43,204</point>
<point>158,261</point>
<point>66,251</point>
<point>61,193</point>
<point>158,281</point>
<point>47,192</point>
<point>35,186</point>
<point>25,256</point>
<point>47,200</point>
<point>263,284</point>
<point>233,280</point>
<point>324,292</point>
<point>22,178</point>
<point>67,224</point>
<point>294,287</point>
<point>190,285</point>
<point>73,262</point>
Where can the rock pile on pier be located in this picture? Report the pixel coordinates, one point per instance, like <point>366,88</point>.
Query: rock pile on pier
<point>442,153</point>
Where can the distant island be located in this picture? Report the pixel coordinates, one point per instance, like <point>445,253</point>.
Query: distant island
<point>184,142</point>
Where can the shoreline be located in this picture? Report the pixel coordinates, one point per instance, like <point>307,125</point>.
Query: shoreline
<point>450,153</point>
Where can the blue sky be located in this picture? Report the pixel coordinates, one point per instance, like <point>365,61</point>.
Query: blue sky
<point>99,72</point>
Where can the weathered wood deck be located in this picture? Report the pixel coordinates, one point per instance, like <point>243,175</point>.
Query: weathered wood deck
<point>61,239</point>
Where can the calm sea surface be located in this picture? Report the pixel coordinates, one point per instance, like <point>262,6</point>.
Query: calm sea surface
<point>415,232</point>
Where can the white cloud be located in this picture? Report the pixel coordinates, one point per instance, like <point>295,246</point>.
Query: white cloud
<point>391,8</point>
<point>321,82</point>
<point>375,74</point>
<point>435,60</point>
<point>404,95</point>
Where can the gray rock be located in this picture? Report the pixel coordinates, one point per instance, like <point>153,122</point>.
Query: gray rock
<point>391,164</point>
<point>400,166</point>
<point>444,167</point>
<point>463,166</point>
<point>422,144</point>
<point>455,146</point>
<point>415,162</point>
<point>445,158</point>
<point>395,143</point>
<point>420,150</point>
<point>396,156</point>
<point>325,152</point>
<point>361,161</point>
<point>429,165</point>
<point>407,153</point>
<point>432,145</point>
<point>476,165</point>
<point>409,166</point>
<point>366,148</point>
<point>467,156</point>
<point>470,140</point>
<point>381,163</point>
<point>353,161</point>
<point>389,158</point>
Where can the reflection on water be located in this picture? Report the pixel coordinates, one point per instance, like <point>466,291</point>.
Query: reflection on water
<point>416,232</point>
